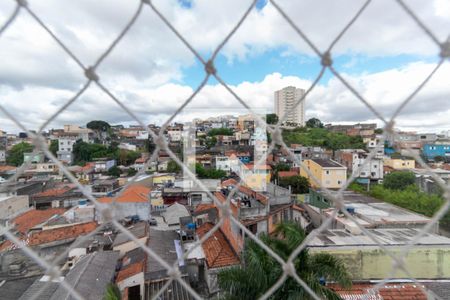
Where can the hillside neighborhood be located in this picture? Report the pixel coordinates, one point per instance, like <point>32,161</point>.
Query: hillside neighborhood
<point>238,165</point>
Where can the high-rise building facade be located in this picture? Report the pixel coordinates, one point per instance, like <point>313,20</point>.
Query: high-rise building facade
<point>285,100</point>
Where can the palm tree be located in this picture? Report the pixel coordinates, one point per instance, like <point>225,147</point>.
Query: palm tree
<point>112,292</point>
<point>260,270</point>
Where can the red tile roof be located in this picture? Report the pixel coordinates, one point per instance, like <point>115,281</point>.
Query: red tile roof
<point>130,270</point>
<point>62,233</point>
<point>140,160</point>
<point>133,193</point>
<point>26,221</point>
<point>6,245</point>
<point>390,291</point>
<point>7,168</point>
<point>204,206</point>
<point>218,251</point>
<point>287,173</point>
<point>58,191</point>
<point>298,208</point>
<point>88,167</point>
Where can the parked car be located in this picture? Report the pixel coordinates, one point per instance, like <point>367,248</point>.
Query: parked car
<point>152,222</point>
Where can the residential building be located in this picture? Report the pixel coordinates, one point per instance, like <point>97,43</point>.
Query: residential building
<point>103,164</point>
<point>123,243</point>
<point>35,158</point>
<point>329,173</point>
<point>285,105</point>
<point>431,151</point>
<point>354,159</point>
<point>65,146</point>
<point>89,277</point>
<point>175,133</point>
<point>363,259</point>
<point>255,176</point>
<point>369,212</point>
<point>260,212</point>
<point>400,163</point>
<point>12,206</point>
<point>61,195</point>
<point>395,290</point>
<point>135,200</point>
<point>427,183</point>
<point>218,254</point>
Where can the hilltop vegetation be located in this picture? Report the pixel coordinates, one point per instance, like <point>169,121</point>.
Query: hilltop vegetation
<point>323,138</point>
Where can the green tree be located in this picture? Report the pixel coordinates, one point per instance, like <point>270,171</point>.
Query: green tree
<point>15,155</point>
<point>173,167</point>
<point>131,172</point>
<point>210,142</point>
<point>271,118</point>
<point>399,180</point>
<point>114,171</point>
<point>220,131</point>
<point>439,159</point>
<point>54,147</point>
<point>298,184</point>
<point>314,123</point>
<point>98,125</point>
<point>260,270</point>
<point>208,173</point>
<point>112,292</point>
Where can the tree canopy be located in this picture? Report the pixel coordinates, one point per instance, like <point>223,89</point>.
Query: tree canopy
<point>260,270</point>
<point>271,118</point>
<point>314,123</point>
<point>399,180</point>
<point>54,147</point>
<point>98,125</point>
<point>15,154</point>
<point>202,172</point>
<point>84,152</point>
<point>220,131</point>
<point>173,167</point>
<point>298,184</point>
<point>323,138</point>
<point>114,171</point>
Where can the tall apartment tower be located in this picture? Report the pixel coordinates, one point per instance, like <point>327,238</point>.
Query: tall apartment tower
<point>285,100</point>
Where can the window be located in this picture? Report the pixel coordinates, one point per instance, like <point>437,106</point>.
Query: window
<point>327,172</point>
<point>339,182</point>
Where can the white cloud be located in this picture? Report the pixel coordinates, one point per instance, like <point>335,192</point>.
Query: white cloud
<point>331,102</point>
<point>36,76</point>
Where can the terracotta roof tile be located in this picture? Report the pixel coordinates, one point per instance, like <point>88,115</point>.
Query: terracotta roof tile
<point>204,206</point>
<point>26,221</point>
<point>62,233</point>
<point>217,249</point>
<point>58,191</point>
<point>398,291</point>
<point>134,193</point>
<point>7,168</point>
<point>287,173</point>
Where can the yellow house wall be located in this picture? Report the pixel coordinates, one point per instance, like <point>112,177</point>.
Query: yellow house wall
<point>374,263</point>
<point>162,179</point>
<point>320,173</point>
<point>398,163</point>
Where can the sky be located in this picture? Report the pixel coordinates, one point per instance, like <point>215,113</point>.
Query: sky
<point>384,55</point>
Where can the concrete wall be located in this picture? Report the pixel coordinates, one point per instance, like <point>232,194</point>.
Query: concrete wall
<point>137,279</point>
<point>131,245</point>
<point>129,209</point>
<point>363,263</point>
<point>12,206</point>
